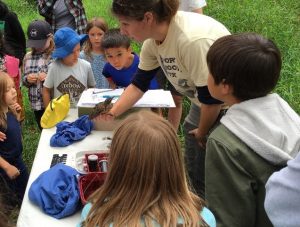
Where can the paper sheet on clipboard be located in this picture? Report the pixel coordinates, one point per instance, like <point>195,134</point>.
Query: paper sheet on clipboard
<point>152,98</point>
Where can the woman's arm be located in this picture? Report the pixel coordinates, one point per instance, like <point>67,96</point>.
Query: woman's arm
<point>129,97</point>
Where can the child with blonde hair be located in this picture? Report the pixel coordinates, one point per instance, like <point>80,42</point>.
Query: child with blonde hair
<point>146,182</point>
<point>68,74</point>
<point>12,168</point>
<point>92,51</point>
<point>36,62</point>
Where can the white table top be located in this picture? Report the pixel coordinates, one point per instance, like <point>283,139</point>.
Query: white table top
<point>30,214</point>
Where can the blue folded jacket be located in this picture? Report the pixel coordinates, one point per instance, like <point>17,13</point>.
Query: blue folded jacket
<point>69,132</point>
<point>56,191</point>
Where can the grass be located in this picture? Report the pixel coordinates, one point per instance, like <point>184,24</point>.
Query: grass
<point>279,20</point>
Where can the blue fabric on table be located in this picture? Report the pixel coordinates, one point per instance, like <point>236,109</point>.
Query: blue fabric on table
<point>69,132</point>
<point>56,191</point>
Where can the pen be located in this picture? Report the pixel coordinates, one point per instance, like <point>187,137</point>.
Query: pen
<point>110,96</point>
<point>97,92</point>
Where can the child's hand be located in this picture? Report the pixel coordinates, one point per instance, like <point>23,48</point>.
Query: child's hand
<point>32,78</point>
<point>11,171</point>
<point>42,76</point>
<point>16,107</point>
<point>2,136</point>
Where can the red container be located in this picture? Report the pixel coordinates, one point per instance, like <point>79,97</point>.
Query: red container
<point>90,182</point>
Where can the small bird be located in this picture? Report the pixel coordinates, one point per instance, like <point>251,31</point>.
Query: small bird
<point>101,108</point>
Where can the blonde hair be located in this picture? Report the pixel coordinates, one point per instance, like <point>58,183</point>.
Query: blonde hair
<point>146,178</point>
<point>48,51</point>
<point>4,77</point>
<point>98,22</point>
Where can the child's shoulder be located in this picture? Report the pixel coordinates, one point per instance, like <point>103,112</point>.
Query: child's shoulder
<point>83,62</point>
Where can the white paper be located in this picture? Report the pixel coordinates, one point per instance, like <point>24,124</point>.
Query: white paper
<point>152,98</point>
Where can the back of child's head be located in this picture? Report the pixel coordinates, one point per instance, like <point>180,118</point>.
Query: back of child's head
<point>248,62</point>
<point>114,39</point>
<point>65,40</point>
<point>146,177</point>
<point>38,32</point>
<point>98,22</point>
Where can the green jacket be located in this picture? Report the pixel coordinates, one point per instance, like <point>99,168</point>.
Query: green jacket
<point>235,178</point>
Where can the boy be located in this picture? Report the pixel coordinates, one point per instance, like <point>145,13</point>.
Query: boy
<point>68,73</point>
<point>257,136</point>
<point>122,62</point>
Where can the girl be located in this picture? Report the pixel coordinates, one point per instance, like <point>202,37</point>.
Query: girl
<point>36,62</point>
<point>146,182</point>
<point>93,52</point>
<point>12,167</point>
<point>178,42</point>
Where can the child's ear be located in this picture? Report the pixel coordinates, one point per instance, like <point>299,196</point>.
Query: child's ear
<point>227,89</point>
<point>148,17</point>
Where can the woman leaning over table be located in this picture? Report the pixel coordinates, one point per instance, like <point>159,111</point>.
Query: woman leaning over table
<point>178,42</point>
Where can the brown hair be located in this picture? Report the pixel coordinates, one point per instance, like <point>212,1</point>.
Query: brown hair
<point>98,22</point>
<point>146,180</point>
<point>4,77</point>
<point>164,10</point>
<point>247,61</point>
<point>48,51</point>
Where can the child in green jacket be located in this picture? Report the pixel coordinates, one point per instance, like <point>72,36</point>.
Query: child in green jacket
<point>258,135</point>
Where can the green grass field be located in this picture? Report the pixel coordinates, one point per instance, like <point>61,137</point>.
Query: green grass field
<point>278,20</point>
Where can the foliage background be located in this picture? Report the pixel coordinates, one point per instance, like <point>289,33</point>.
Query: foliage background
<point>278,20</point>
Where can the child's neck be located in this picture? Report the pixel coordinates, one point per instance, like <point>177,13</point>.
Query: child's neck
<point>97,50</point>
<point>130,61</point>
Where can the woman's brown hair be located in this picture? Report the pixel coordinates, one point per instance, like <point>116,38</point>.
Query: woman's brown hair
<point>146,181</point>
<point>164,10</point>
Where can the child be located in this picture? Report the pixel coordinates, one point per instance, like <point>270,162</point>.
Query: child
<point>152,188</point>
<point>10,65</point>
<point>92,51</point>
<point>257,136</point>
<point>35,64</point>
<point>68,73</point>
<point>122,62</point>
<point>12,167</point>
<point>283,195</point>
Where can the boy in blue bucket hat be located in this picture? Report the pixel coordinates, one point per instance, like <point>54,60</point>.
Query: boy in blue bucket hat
<point>68,73</point>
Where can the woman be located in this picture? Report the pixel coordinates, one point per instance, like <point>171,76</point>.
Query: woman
<point>178,42</point>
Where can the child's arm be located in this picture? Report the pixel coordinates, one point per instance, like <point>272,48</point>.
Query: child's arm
<point>111,83</point>
<point>46,96</point>
<point>11,171</point>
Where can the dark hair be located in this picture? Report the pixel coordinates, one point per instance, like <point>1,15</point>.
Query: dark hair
<point>113,38</point>
<point>164,10</point>
<point>247,61</point>
<point>3,9</point>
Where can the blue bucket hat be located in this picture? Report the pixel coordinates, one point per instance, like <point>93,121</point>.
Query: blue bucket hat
<point>65,40</point>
